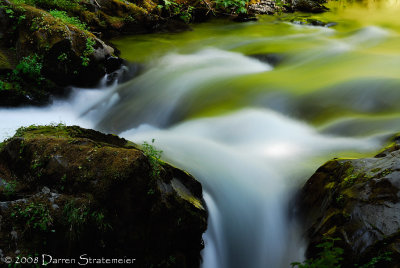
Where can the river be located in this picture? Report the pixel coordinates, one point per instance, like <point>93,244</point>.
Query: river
<point>251,110</point>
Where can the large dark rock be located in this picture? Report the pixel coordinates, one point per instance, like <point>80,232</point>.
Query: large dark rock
<point>68,191</point>
<point>357,201</point>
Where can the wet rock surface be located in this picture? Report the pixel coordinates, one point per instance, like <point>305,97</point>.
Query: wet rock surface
<point>357,201</point>
<point>263,7</point>
<point>68,191</point>
<point>314,6</point>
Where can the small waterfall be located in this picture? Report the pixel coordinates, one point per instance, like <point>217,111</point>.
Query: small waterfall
<point>248,162</point>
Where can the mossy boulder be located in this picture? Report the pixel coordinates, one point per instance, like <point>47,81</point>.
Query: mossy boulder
<point>356,201</point>
<point>71,54</point>
<point>98,194</point>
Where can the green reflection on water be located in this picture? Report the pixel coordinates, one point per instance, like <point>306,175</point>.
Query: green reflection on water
<point>363,45</point>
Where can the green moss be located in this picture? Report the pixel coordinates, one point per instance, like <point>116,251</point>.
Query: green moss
<point>61,4</point>
<point>54,130</point>
<point>184,194</point>
<point>330,185</point>
<point>4,62</point>
<point>63,16</point>
<point>349,171</point>
<point>386,172</point>
<point>350,180</point>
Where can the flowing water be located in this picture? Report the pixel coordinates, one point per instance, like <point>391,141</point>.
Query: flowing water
<point>251,110</point>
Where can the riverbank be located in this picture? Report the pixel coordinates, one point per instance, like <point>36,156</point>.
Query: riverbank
<point>46,46</point>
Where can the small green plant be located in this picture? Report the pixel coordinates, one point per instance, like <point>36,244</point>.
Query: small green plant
<point>150,192</point>
<point>98,218</point>
<point>154,156</point>
<point>150,151</point>
<point>35,215</point>
<point>76,216</point>
<point>88,51</point>
<point>62,57</point>
<point>79,216</point>
<point>329,257</point>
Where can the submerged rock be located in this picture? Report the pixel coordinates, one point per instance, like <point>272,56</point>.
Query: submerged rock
<point>312,22</point>
<point>98,194</point>
<point>273,58</point>
<point>357,201</point>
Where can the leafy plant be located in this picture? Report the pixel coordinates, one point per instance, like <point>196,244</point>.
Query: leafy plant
<point>184,12</point>
<point>329,257</point>
<point>233,6</point>
<point>88,51</point>
<point>36,215</point>
<point>76,216</point>
<point>29,67</point>
<point>153,155</point>
<point>376,260</point>
<point>79,216</point>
